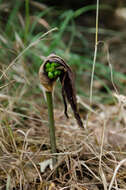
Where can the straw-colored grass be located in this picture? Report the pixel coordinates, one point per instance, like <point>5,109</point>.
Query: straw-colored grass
<point>93,158</point>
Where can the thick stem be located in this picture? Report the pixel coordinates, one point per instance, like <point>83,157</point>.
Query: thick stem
<point>51,125</point>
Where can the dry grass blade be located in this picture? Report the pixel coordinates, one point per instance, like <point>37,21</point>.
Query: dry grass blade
<point>115,173</point>
<point>80,101</point>
<point>91,171</point>
<point>103,177</point>
<point>40,6</point>
<point>35,168</point>
<point>95,52</point>
<point>7,84</point>
<point>21,115</point>
<point>41,21</point>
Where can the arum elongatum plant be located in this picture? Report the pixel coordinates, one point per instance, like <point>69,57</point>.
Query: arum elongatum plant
<point>55,67</point>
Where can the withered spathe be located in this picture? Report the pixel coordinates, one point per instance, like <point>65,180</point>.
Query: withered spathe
<point>67,81</point>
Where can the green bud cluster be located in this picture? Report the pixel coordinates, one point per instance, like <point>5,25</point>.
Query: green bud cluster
<point>51,70</point>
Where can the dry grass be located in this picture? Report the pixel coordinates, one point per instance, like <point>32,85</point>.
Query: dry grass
<point>93,158</point>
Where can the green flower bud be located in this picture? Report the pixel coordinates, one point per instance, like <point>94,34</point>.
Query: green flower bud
<point>48,65</point>
<point>57,73</point>
<point>50,75</point>
<point>54,64</point>
<point>51,69</point>
<point>47,70</point>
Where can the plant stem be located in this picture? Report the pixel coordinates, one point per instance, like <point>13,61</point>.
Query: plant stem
<point>51,125</point>
<point>27,20</point>
<point>95,52</point>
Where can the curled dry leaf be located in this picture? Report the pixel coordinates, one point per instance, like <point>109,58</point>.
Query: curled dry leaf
<point>66,77</point>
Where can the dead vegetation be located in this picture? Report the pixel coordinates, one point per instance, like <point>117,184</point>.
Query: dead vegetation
<point>90,159</point>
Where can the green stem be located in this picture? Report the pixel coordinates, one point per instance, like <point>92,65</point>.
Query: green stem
<point>51,125</point>
<point>27,20</point>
